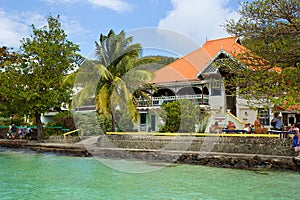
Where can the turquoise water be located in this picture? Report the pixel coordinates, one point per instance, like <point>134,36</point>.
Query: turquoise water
<point>29,175</point>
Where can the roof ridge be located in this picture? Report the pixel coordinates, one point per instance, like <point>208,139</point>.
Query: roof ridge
<point>224,38</point>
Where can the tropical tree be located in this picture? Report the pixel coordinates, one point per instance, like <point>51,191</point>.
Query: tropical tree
<point>271,31</point>
<point>113,77</point>
<point>7,55</point>
<point>7,74</point>
<point>35,83</point>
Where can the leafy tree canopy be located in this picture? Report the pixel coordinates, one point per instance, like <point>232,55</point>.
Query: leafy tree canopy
<point>35,83</point>
<point>6,55</point>
<point>271,31</point>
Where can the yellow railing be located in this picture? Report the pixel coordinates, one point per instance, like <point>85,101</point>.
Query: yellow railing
<point>198,134</point>
<point>67,133</point>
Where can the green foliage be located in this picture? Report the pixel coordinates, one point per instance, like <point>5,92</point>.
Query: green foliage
<point>203,122</point>
<point>124,122</point>
<point>52,131</point>
<point>4,121</point>
<point>92,123</point>
<point>180,116</point>
<point>65,120</point>
<point>7,56</point>
<point>160,61</point>
<point>105,122</point>
<point>270,29</point>
<point>35,82</point>
<point>172,116</point>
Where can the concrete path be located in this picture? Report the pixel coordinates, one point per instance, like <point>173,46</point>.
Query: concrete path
<point>89,141</point>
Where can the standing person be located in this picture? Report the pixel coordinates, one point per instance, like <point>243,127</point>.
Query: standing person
<point>9,132</point>
<point>296,143</point>
<point>13,131</point>
<point>279,123</point>
<point>28,133</point>
<point>274,121</point>
<point>21,132</point>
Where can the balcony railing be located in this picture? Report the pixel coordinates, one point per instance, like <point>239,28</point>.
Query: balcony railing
<point>158,101</point>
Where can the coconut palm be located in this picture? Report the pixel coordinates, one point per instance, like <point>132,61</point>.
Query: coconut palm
<point>116,74</point>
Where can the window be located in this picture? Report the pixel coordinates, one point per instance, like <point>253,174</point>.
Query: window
<point>264,115</point>
<point>143,118</point>
<point>216,87</point>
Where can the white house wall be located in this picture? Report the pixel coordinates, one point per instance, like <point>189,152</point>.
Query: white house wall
<point>245,113</point>
<point>218,103</point>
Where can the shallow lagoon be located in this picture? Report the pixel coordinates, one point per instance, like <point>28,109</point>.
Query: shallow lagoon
<point>30,175</point>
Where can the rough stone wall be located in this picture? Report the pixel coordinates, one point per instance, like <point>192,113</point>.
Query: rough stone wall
<point>249,145</point>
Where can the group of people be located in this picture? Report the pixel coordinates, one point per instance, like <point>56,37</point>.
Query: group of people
<point>21,132</point>
<point>257,127</point>
<point>276,123</point>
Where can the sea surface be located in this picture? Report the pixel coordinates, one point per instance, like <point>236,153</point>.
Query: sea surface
<point>30,175</point>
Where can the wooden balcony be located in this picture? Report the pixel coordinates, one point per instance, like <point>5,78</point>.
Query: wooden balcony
<point>158,101</point>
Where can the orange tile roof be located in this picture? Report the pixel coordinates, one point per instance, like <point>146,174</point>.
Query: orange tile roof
<point>187,67</point>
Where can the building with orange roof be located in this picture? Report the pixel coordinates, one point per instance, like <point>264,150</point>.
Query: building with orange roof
<point>197,77</point>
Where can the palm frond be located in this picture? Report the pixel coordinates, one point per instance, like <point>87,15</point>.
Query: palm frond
<point>102,100</point>
<point>84,95</point>
<point>103,72</point>
<point>69,79</point>
<point>146,60</point>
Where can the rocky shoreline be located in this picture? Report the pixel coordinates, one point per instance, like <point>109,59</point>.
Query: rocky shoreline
<point>214,159</point>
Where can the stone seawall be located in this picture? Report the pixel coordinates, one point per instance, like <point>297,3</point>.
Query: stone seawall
<point>213,159</point>
<point>226,152</point>
<point>57,148</point>
<point>247,145</point>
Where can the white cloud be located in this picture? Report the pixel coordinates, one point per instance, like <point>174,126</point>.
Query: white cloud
<point>60,1</point>
<point>16,26</point>
<point>116,5</point>
<point>199,19</point>
<point>72,26</point>
<point>75,31</point>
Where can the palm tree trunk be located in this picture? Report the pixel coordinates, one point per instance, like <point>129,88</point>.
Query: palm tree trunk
<point>113,128</point>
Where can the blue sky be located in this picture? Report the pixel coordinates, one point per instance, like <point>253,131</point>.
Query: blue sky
<point>84,20</point>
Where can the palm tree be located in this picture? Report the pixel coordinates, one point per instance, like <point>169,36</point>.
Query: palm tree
<point>118,80</point>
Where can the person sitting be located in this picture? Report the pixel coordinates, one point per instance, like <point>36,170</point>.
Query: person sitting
<point>257,126</point>
<point>247,128</point>
<point>292,128</point>
<point>215,128</point>
<point>296,143</point>
<point>231,126</point>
